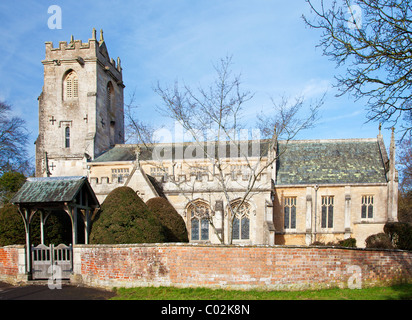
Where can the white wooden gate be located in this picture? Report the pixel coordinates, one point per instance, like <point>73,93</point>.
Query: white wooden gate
<point>51,262</point>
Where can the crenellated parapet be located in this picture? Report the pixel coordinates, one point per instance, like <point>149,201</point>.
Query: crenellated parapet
<point>75,51</point>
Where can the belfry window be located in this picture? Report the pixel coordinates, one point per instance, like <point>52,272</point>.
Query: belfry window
<point>110,103</point>
<point>67,137</point>
<point>71,86</point>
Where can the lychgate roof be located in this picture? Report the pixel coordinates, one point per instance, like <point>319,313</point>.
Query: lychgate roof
<point>51,189</point>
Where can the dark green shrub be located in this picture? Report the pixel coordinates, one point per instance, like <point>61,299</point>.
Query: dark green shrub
<point>318,243</point>
<point>349,243</point>
<point>173,223</point>
<point>10,183</point>
<point>400,233</point>
<point>379,241</point>
<point>125,218</point>
<point>11,226</point>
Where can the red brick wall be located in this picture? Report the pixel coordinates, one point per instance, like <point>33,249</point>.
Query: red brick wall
<point>9,264</point>
<point>237,267</point>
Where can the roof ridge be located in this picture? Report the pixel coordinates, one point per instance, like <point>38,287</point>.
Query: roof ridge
<point>186,143</point>
<point>330,140</point>
<point>65,178</point>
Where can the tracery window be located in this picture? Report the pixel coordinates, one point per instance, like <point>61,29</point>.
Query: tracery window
<point>241,221</point>
<point>367,207</point>
<point>290,213</point>
<point>327,212</point>
<point>71,86</point>
<point>199,220</point>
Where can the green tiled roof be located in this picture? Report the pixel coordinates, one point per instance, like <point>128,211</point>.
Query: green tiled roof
<point>330,162</point>
<point>50,189</point>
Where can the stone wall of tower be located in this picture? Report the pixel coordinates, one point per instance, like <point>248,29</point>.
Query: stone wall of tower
<point>77,121</point>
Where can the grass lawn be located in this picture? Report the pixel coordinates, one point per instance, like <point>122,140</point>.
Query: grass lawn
<point>398,292</point>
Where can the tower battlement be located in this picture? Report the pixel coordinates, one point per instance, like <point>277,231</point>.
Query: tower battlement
<point>79,52</point>
<point>81,112</point>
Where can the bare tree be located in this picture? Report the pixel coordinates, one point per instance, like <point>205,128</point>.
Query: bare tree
<point>405,165</point>
<point>373,39</point>
<point>13,142</point>
<point>137,131</point>
<point>213,118</point>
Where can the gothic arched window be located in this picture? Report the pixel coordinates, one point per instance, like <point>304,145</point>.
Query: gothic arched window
<point>71,86</point>
<point>241,221</point>
<point>199,214</point>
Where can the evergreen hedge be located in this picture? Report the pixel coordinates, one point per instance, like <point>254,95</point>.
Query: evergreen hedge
<point>400,234</point>
<point>172,221</point>
<point>11,226</point>
<point>379,241</point>
<point>125,218</point>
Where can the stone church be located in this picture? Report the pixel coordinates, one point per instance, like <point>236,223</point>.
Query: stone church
<point>314,190</point>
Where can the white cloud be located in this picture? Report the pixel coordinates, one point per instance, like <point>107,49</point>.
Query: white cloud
<point>341,117</point>
<point>315,88</point>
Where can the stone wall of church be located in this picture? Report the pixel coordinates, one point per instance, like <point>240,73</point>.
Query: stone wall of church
<point>190,182</point>
<point>347,213</point>
<point>187,188</point>
<point>241,267</point>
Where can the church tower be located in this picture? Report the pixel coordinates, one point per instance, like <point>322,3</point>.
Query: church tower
<point>81,111</point>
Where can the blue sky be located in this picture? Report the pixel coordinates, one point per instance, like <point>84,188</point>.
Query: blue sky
<point>168,40</point>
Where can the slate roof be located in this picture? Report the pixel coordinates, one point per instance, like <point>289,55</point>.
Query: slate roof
<point>118,153</point>
<point>49,189</point>
<point>127,152</point>
<point>302,162</point>
<point>330,162</point>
